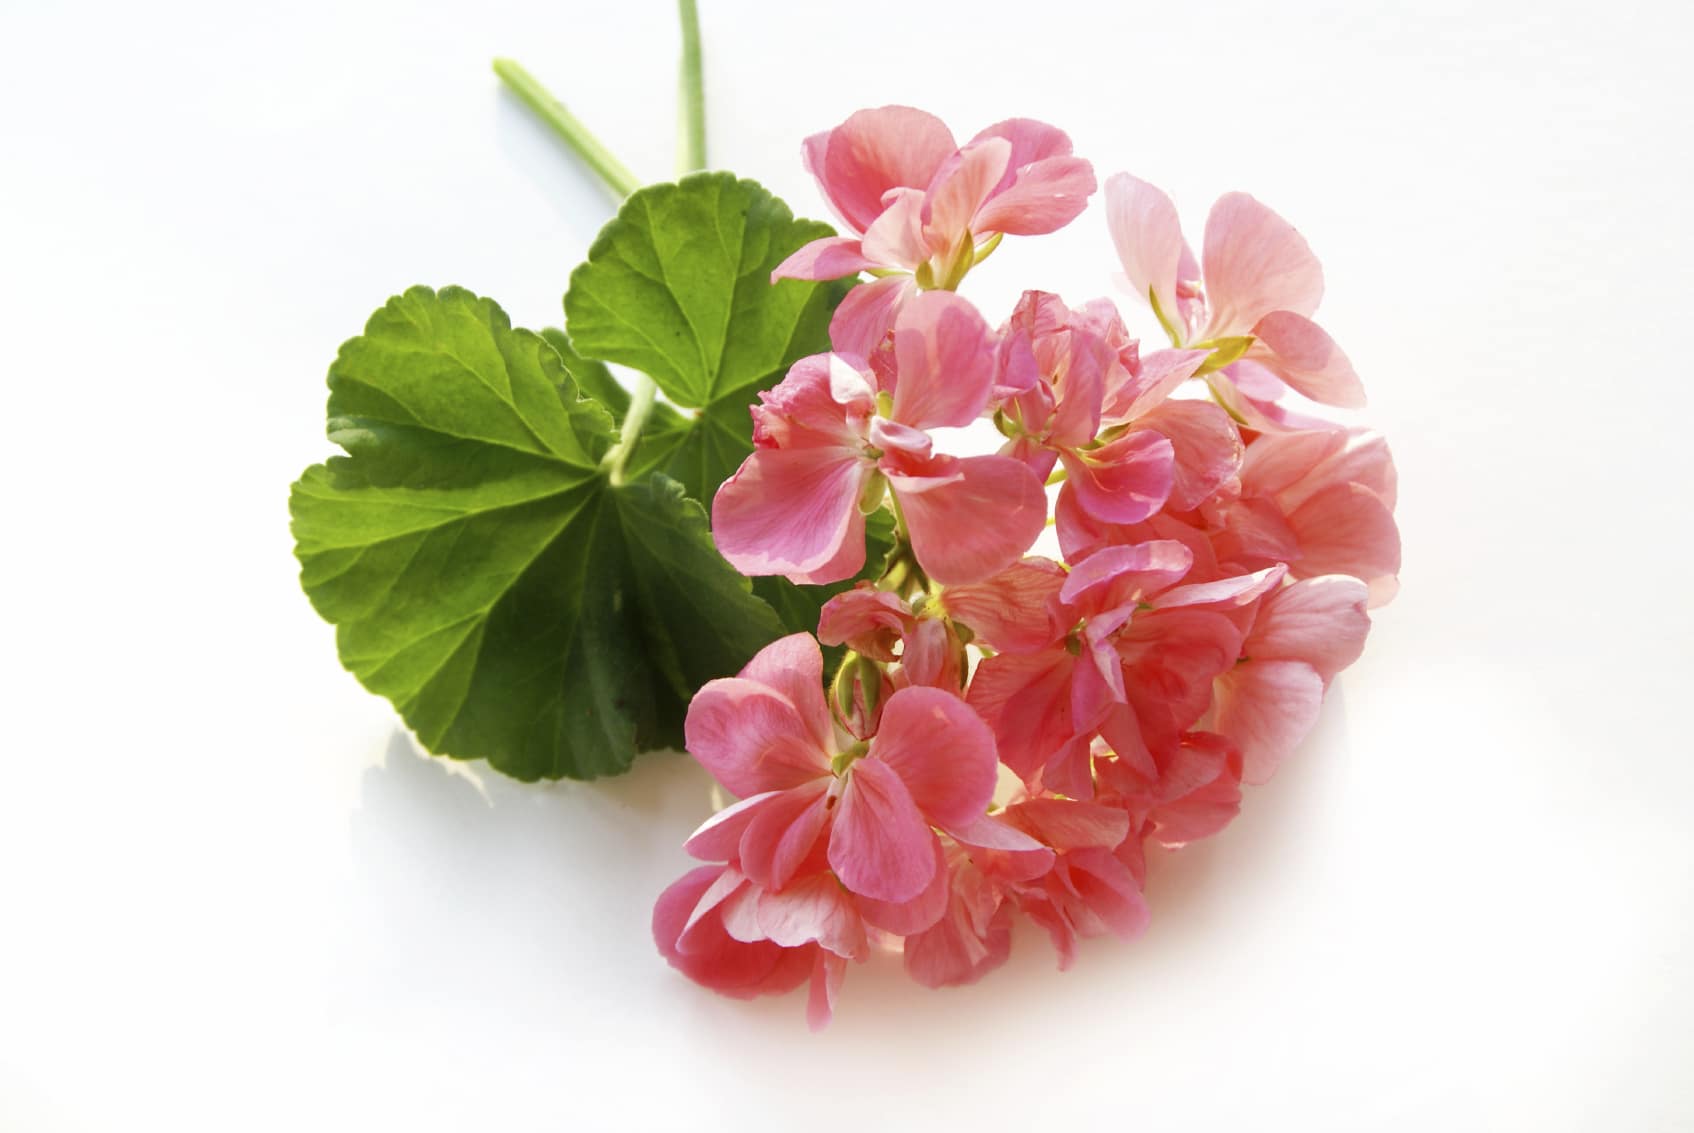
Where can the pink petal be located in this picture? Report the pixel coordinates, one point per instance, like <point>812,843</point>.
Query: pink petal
<point>1267,707</point>
<point>977,526</point>
<point>828,973</point>
<point>1304,356</point>
<point>1115,576</point>
<point>874,151</point>
<point>1067,824</point>
<point>1346,529</point>
<point>1125,480</point>
<point>1014,610</point>
<point>717,961</point>
<point>1044,196</point>
<point>1254,263</point>
<point>1207,448</point>
<point>1108,890</point>
<point>817,910</point>
<point>830,257</point>
<point>793,666</point>
<point>719,838</point>
<point>866,316</point>
<point>971,940</point>
<point>1200,791</point>
<point>1321,621</point>
<point>1031,142</point>
<point>867,620</point>
<point>1160,374</point>
<point>932,657</point>
<point>1025,699</point>
<point>896,239</point>
<point>941,750</point>
<point>751,738</point>
<point>780,838</point>
<point>1149,241</point>
<point>960,188</point>
<point>1239,590</point>
<point>1278,461</point>
<point>793,511</point>
<point>907,917</point>
<point>879,847</point>
<point>945,362</point>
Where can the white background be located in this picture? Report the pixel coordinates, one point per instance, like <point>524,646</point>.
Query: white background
<point>231,897</point>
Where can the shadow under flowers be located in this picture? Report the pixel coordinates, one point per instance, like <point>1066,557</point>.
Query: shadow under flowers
<point>473,896</point>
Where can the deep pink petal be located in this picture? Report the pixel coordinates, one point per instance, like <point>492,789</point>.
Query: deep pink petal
<point>751,738</point>
<point>830,257</point>
<point>944,356</point>
<point>1125,480</point>
<point>1026,700</point>
<point>1148,237</point>
<point>793,666</point>
<point>1302,354</point>
<point>781,837</point>
<point>1068,824</point>
<point>866,316</point>
<point>1116,576</point>
<point>1207,446</point>
<point>941,750</point>
<point>792,511</point>
<point>1267,707</point>
<point>1014,610</point>
<point>1254,263</point>
<point>717,961</point>
<point>880,844</point>
<point>972,939</point>
<point>977,526</point>
<point>828,973</point>
<point>874,151</point>
<point>932,657</point>
<point>867,620</point>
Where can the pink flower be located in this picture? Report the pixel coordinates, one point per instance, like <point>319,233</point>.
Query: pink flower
<point>863,812</point>
<point>1088,891</point>
<point>1302,636</point>
<point>1320,501</point>
<point>1180,793</point>
<point>924,210</point>
<point>1249,300</point>
<point>831,437</point>
<point>878,624</point>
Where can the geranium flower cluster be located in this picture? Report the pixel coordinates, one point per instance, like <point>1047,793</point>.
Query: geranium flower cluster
<point>1220,547</point>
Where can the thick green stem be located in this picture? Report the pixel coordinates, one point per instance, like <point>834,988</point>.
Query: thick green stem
<point>691,103</point>
<point>634,418</point>
<point>612,172</point>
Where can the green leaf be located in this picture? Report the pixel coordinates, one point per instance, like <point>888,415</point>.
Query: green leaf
<point>481,571</point>
<point>678,287</point>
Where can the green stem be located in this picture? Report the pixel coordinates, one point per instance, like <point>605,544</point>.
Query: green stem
<point>691,108</point>
<point>614,173</point>
<point>640,405</point>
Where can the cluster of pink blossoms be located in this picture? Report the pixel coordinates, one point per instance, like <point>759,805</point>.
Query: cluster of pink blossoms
<point>1220,548</point>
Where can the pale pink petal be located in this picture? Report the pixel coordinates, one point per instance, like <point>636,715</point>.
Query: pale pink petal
<point>1031,141</point>
<point>1238,590</point>
<point>1115,576</point>
<point>944,357</point>
<point>907,917</point>
<point>1254,262</point>
<point>879,846</point>
<point>717,961</point>
<point>1161,372</point>
<point>1267,707</point>
<point>1125,480</point>
<point>977,526</point>
<point>845,563</point>
<point>896,240</point>
<point>830,257</point>
<point>719,838</point>
<point>828,973</point>
<point>1207,447</point>
<point>1043,197</point>
<point>817,910</point>
<point>1148,237</point>
<point>874,151</point>
<point>1361,456</point>
<point>1321,621</point>
<point>959,189</point>
<point>1255,530</point>
<point>866,316</point>
<point>1014,610</point>
<point>941,750</point>
<point>1346,529</point>
<point>792,511</point>
<point>793,666</point>
<point>1277,461</point>
<point>1302,354</point>
<point>781,837</point>
<point>751,738</point>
